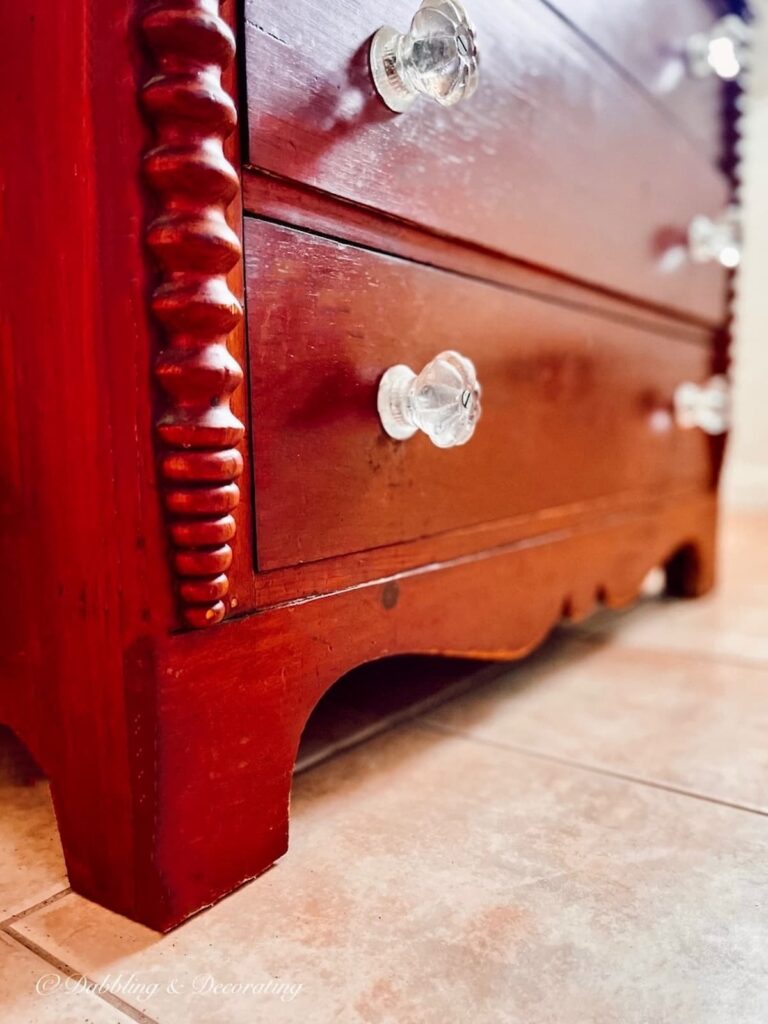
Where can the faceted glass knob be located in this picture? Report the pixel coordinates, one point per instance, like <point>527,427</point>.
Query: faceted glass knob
<point>707,406</point>
<point>443,401</point>
<point>723,51</point>
<point>716,240</point>
<point>437,58</point>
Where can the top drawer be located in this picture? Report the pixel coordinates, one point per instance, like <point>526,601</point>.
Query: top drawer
<point>556,160</point>
<point>648,38</point>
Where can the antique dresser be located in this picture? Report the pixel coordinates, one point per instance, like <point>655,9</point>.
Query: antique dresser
<point>333,331</point>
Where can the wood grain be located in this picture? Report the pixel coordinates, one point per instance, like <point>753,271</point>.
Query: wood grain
<point>81,536</point>
<point>574,408</point>
<point>557,159</point>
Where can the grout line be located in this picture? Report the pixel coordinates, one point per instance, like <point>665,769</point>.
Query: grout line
<point>35,906</point>
<point>576,635</point>
<point>593,769</point>
<point>107,997</point>
<point>585,635</point>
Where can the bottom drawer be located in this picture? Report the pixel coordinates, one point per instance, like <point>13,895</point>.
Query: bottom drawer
<point>576,407</point>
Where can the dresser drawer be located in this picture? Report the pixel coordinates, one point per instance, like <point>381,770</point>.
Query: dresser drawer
<point>556,160</point>
<point>648,39</point>
<point>575,407</point>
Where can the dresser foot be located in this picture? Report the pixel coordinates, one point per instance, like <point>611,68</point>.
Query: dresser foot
<point>690,572</point>
<point>202,811</point>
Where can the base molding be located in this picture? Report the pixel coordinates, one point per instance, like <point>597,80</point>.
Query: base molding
<point>214,718</point>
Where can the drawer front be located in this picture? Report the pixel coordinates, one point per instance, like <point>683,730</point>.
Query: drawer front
<point>575,407</point>
<point>556,160</point>
<point>648,38</point>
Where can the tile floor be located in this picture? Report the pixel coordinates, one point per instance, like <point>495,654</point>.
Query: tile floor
<point>580,839</point>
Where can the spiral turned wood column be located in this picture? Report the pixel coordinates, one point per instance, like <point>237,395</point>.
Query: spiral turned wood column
<point>193,184</point>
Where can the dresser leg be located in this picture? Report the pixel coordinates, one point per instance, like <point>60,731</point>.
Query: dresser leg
<point>690,572</point>
<point>202,808</point>
<point>201,848</point>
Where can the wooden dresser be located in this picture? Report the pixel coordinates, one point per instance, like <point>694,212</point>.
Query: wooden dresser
<point>325,340</point>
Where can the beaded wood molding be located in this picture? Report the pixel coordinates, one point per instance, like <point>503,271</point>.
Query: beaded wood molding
<point>193,184</point>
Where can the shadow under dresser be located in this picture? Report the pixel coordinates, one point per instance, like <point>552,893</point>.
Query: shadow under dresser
<point>333,332</point>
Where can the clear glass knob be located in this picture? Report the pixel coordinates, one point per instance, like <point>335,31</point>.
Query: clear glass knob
<point>443,401</point>
<point>723,51</point>
<point>706,406</point>
<point>437,57</point>
<point>716,239</point>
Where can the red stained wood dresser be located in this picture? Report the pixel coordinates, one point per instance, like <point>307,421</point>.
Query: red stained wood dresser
<point>219,238</point>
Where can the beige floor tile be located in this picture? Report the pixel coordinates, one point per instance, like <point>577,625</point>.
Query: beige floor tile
<point>730,623</point>
<point>709,626</point>
<point>671,718</point>
<point>436,879</point>
<point>31,861</point>
<point>34,992</point>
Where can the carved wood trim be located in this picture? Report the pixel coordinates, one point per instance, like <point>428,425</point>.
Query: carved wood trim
<point>193,184</point>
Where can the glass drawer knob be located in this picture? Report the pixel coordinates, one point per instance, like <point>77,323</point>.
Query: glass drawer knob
<point>716,240</point>
<point>443,401</point>
<point>723,51</point>
<point>437,57</point>
<point>706,406</point>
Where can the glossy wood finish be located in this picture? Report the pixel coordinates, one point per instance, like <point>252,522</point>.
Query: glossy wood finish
<point>170,753</point>
<point>575,407</point>
<point>647,39</point>
<point>193,186</point>
<point>321,213</point>
<point>81,540</point>
<point>595,183</point>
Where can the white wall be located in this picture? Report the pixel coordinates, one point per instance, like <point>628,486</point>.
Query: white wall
<point>746,475</point>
